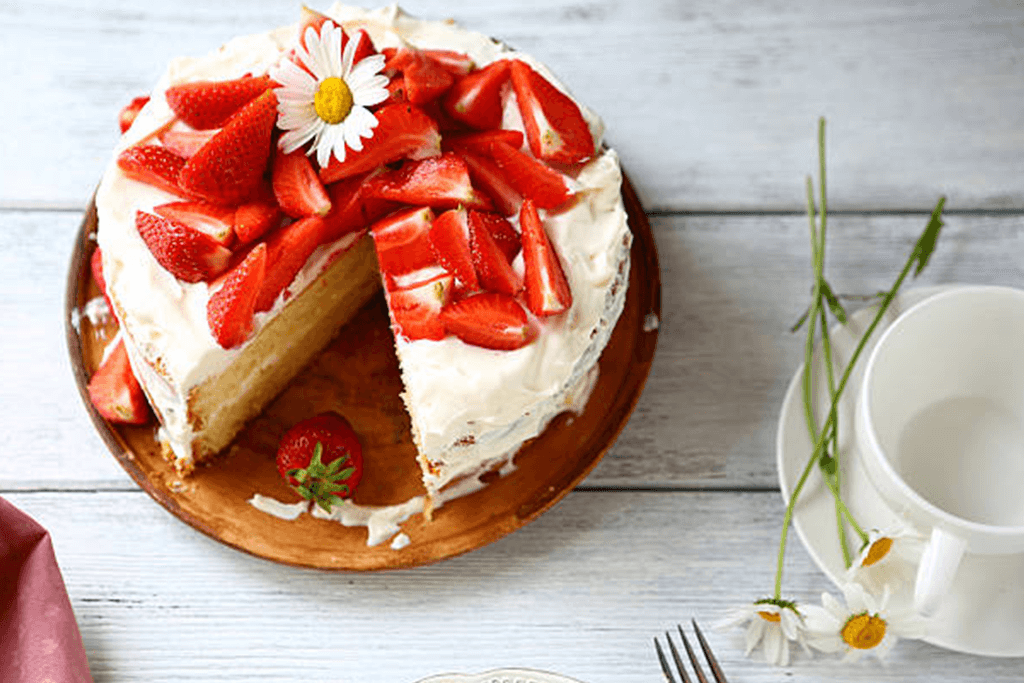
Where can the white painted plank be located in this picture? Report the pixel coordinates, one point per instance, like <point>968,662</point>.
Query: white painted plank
<point>581,591</point>
<point>712,104</point>
<point>732,286</point>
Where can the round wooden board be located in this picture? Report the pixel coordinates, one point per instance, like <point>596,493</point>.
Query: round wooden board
<point>357,375</point>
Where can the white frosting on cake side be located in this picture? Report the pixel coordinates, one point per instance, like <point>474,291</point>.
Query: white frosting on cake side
<point>453,390</point>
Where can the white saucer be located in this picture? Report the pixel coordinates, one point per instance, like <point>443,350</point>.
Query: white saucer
<point>984,612</point>
<point>502,676</point>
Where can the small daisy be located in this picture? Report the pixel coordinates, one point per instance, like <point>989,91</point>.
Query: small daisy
<point>863,626</point>
<point>769,621</point>
<point>326,103</point>
<point>888,559</point>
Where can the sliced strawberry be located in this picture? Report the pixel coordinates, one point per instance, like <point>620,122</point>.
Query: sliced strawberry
<point>96,266</point>
<point>297,187</point>
<point>425,78</point>
<point>441,182</point>
<point>476,99</point>
<point>364,46</point>
<point>555,127</point>
<point>403,132</point>
<point>230,310</point>
<point>489,319</point>
<point>310,18</point>
<point>209,104</point>
<point>255,219</point>
<point>493,270</point>
<point>216,221</point>
<point>531,178</point>
<point>126,117</point>
<point>547,290</point>
<point>115,392</point>
<point>416,310</point>
<point>505,236</point>
<point>492,181</point>
<point>186,142</point>
<point>402,241</point>
<point>230,166</point>
<point>352,209</point>
<point>449,239</point>
<point>186,253</point>
<point>455,63</point>
<point>153,165</point>
<point>396,90</point>
<point>287,251</point>
<point>480,141</point>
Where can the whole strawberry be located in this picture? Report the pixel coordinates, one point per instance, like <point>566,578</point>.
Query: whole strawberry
<point>321,459</point>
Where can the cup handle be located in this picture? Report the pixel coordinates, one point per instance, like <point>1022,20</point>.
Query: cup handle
<point>938,566</point>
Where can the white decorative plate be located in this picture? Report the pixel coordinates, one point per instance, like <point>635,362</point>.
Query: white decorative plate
<point>502,676</point>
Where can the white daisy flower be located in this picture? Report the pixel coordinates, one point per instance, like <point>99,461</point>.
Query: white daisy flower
<point>771,622</point>
<point>326,103</point>
<point>888,559</point>
<point>864,625</point>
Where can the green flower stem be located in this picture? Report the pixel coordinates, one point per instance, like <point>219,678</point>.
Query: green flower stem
<point>829,423</point>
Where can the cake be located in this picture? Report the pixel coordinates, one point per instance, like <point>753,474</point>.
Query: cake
<point>479,195</point>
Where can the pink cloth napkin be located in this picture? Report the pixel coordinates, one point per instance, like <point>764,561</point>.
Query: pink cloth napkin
<point>39,638</point>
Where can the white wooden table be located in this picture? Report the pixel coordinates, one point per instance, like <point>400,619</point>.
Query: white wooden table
<point>713,106</point>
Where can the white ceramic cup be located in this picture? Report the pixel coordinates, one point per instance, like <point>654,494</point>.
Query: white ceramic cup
<point>940,426</point>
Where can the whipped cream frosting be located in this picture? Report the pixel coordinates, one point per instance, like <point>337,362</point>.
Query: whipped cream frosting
<point>470,407</point>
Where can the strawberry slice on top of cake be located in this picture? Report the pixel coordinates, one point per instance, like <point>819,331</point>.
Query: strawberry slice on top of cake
<point>363,150</point>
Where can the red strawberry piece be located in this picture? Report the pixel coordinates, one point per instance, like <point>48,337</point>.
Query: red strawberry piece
<point>547,290</point>
<point>153,165</point>
<point>230,166</point>
<point>310,18</point>
<point>416,309</point>
<point>425,79</point>
<point>364,46</point>
<point>96,266</point>
<point>230,310</point>
<point>288,249</point>
<point>297,187</point>
<point>215,221</point>
<point>489,319</point>
<point>127,115</point>
<point>396,90</point>
<point>476,99</point>
<point>455,63</point>
<point>555,128</point>
<point>402,241</point>
<point>209,104</point>
<point>485,174</point>
<point>403,132</point>
<point>504,235</point>
<point>531,178</point>
<point>115,392</point>
<point>255,219</point>
<point>321,458</point>
<point>351,209</point>
<point>493,269</point>
<point>449,239</point>
<point>186,142</point>
<point>480,141</point>
<point>441,182</point>
<point>186,253</point>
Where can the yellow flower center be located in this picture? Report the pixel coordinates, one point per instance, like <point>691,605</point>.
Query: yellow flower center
<point>773,617</point>
<point>864,631</point>
<point>333,100</point>
<point>877,551</point>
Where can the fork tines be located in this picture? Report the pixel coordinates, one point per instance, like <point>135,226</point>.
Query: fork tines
<point>716,670</point>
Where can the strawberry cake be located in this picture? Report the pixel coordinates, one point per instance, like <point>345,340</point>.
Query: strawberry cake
<point>264,193</point>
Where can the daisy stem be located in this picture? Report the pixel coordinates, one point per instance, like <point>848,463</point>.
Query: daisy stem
<point>920,254</point>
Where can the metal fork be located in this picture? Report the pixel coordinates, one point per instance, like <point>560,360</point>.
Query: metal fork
<point>716,670</point>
